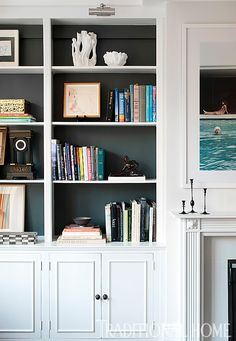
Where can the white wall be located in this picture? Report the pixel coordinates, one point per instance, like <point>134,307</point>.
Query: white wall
<point>179,13</point>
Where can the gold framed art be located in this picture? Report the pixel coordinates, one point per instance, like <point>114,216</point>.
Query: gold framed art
<point>82,100</point>
<point>3,138</point>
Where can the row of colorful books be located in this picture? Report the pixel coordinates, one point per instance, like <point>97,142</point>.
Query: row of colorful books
<point>137,103</point>
<point>70,162</point>
<point>16,118</point>
<point>75,234</point>
<point>133,222</point>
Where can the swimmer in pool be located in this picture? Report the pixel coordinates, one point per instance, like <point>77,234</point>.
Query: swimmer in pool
<point>217,131</point>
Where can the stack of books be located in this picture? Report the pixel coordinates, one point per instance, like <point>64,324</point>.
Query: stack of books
<point>137,103</point>
<point>70,162</point>
<point>15,111</point>
<point>133,222</point>
<point>74,234</point>
<point>18,238</point>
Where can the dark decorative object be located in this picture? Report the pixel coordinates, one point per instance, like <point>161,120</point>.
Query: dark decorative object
<point>205,192</point>
<point>130,168</point>
<point>21,164</point>
<point>82,221</point>
<point>192,203</point>
<point>183,205</point>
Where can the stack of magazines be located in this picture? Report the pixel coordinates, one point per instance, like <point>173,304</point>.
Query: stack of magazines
<point>75,234</point>
<point>16,118</point>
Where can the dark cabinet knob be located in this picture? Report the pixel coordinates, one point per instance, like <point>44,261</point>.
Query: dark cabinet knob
<point>97,297</point>
<point>105,297</point>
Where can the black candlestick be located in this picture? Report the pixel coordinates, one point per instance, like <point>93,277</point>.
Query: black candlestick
<point>192,203</point>
<point>183,205</point>
<point>205,211</point>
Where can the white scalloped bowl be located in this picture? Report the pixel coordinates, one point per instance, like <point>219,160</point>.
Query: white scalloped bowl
<point>115,58</point>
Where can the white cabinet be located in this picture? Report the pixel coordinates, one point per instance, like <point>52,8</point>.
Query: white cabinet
<point>127,280</point>
<point>75,281</point>
<point>20,296</point>
<point>101,295</point>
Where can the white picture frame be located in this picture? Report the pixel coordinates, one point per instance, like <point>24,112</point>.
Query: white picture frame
<point>193,35</point>
<point>12,208</point>
<point>9,48</point>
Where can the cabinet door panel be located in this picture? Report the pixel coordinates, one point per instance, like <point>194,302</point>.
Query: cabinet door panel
<point>20,292</point>
<point>75,280</point>
<point>128,282</point>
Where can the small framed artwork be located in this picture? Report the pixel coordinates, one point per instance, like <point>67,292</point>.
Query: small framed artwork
<point>82,100</point>
<point>3,137</point>
<point>9,47</point>
<point>12,208</point>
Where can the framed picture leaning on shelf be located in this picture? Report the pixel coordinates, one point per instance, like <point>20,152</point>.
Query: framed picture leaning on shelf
<point>3,136</point>
<point>82,100</point>
<point>9,48</point>
<point>12,208</point>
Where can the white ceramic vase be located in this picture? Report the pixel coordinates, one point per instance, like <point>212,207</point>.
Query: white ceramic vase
<point>115,58</point>
<point>82,48</point>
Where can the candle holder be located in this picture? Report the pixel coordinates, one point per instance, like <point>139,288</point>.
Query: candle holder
<point>192,203</point>
<point>205,192</point>
<point>183,205</point>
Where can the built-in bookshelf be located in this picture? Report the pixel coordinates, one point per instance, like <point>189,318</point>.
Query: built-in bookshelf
<point>45,65</point>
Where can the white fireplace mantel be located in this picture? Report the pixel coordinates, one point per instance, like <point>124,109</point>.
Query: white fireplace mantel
<point>194,229</point>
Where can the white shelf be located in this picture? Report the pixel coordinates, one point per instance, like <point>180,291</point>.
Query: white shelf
<point>35,124</point>
<point>105,69</point>
<point>21,70</point>
<point>110,124</point>
<point>36,181</point>
<point>102,182</point>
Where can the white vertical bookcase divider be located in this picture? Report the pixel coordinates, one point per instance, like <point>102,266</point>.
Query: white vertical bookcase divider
<point>48,203</point>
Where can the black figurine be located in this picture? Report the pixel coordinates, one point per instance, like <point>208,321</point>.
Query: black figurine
<point>129,169</point>
<point>183,205</point>
<point>205,192</point>
<point>192,203</point>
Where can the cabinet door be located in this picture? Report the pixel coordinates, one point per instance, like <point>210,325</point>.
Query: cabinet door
<point>127,280</point>
<point>20,296</point>
<point>75,280</point>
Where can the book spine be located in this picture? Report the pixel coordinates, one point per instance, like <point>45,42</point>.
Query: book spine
<point>64,160</point>
<point>133,235</point>
<point>125,225</point>
<point>62,164</point>
<point>116,95</point>
<point>127,105</point>
<point>114,236</point>
<point>85,159</point>
<point>108,222</point>
<point>68,162</point>
<point>154,236</point>
<point>110,106</point>
<point>81,163</point>
<point>136,103</point>
<point>154,103</point>
<point>150,104</point>
<point>147,103</point>
<point>101,160</point>
<point>121,106</point>
<point>150,224</point>
<point>89,164</point>
<point>129,224</point>
<point>131,90</point>
<point>92,162</point>
<point>54,143</point>
<point>143,204</point>
<point>72,161</point>
<point>58,162</point>
<point>95,163</point>
<point>142,103</point>
<point>77,162</point>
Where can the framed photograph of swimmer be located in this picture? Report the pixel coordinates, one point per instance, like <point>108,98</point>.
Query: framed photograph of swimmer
<point>9,48</point>
<point>209,105</point>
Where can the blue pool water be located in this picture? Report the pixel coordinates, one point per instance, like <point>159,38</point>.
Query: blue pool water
<point>218,152</point>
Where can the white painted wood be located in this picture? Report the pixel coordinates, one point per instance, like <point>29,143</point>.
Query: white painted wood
<point>102,182</point>
<point>128,281</point>
<point>104,69</point>
<point>36,181</point>
<point>75,279</point>
<point>109,124</point>
<point>21,70</point>
<point>20,296</point>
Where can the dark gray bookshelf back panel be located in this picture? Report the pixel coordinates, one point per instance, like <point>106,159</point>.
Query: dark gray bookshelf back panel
<point>37,150</point>
<point>107,80</point>
<point>30,43</point>
<point>34,211</point>
<point>138,143</point>
<point>90,199</point>
<point>29,87</point>
<point>129,39</point>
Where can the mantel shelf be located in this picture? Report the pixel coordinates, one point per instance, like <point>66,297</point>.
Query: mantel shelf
<point>215,215</point>
<point>105,69</point>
